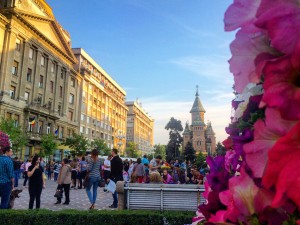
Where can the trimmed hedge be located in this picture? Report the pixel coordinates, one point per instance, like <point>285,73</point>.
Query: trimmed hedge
<point>93,217</point>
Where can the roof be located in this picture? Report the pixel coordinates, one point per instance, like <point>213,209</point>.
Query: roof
<point>197,106</point>
<point>186,129</point>
<point>209,129</point>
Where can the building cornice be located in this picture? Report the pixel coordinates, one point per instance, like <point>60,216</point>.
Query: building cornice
<point>133,103</point>
<point>19,17</point>
<point>81,51</point>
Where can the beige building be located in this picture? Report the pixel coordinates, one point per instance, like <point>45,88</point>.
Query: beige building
<point>201,135</point>
<point>139,127</point>
<point>39,88</point>
<point>102,108</point>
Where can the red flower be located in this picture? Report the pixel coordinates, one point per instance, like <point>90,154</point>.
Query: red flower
<point>283,168</point>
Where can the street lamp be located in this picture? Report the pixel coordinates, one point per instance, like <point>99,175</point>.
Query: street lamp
<point>120,137</point>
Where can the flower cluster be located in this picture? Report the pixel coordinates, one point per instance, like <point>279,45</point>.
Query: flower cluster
<point>258,180</point>
<point>4,140</point>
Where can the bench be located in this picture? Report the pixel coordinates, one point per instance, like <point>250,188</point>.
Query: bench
<point>164,196</point>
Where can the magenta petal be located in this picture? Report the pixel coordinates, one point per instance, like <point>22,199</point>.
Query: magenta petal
<point>240,13</point>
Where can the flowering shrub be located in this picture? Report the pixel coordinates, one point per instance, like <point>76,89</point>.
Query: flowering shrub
<point>4,140</point>
<point>258,180</point>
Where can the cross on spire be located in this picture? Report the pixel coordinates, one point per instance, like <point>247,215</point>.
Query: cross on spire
<point>197,87</point>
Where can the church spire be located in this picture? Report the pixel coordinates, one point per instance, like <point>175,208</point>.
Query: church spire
<point>197,106</point>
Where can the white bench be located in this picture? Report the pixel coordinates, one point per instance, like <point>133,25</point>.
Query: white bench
<point>184,197</point>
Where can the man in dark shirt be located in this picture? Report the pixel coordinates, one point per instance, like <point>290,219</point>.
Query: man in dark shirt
<point>116,173</point>
<point>17,166</point>
<point>6,176</point>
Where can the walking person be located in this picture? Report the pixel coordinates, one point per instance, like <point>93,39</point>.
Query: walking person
<point>74,166</point>
<point>57,167</point>
<point>116,173</point>
<point>64,181</point>
<point>94,166</point>
<point>27,165</point>
<point>36,182</point>
<point>6,174</point>
<point>17,167</point>
<point>83,169</point>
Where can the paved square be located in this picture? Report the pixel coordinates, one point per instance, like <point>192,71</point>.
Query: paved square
<point>78,198</point>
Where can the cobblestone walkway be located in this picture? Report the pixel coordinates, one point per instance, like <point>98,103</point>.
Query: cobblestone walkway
<point>78,198</point>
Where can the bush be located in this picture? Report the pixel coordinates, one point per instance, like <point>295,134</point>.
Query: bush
<point>103,217</point>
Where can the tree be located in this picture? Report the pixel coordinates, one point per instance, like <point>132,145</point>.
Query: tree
<point>189,152</point>
<point>220,149</point>
<point>201,161</point>
<point>132,150</point>
<point>48,145</point>
<point>78,143</point>
<point>160,150</point>
<point>175,139</point>
<point>15,133</point>
<point>101,146</point>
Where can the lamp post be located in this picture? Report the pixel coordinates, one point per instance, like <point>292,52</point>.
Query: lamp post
<point>120,138</point>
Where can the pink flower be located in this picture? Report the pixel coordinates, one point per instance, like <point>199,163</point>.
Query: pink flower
<point>281,19</point>
<point>241,13</point>
<point>283,168</point>
<point>245,49</point>
<point>266,133</point>
<point>240,197</point>
<point>197,219</point>
<point>231,161</point>
<point>282,87</point>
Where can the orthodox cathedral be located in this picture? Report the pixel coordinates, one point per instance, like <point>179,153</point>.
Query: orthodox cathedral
<point>201,135</point>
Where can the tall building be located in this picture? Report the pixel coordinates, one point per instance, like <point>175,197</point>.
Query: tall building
<point>39,88</point>
<point>102,108</point>
<point>139,127</point>
<point>198,133</point>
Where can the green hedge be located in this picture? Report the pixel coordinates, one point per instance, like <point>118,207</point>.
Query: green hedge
<point>103,217</point>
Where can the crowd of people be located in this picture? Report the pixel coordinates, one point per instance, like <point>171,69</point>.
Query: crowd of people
<point>88,172</point>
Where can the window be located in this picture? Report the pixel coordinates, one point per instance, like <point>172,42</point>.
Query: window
<point>71,99</point>
<point>52,67</point>
<point>72,82</point>
<point>82,117</point>
<point>82,129</point>
<point>62,74</point>
<point>15,68</point>
<point>16,120</point>
<point>29,72</point>
<point>88,131</point>
<point>59,109</point>
<point>61,132</point>
<point>49,128</point>
<point>51,86</point>
<point>40,127</point>
<point>41,83</point>
<point>12,92</point>
<point>70,115</point>
<point>30,55</point>
<point>26,96</point>
<point>31,124</point>
<point>89,119</point>
<point>43,61</point>
<point>60,91</point>
<point>8,116</point>
<point>18,44</point>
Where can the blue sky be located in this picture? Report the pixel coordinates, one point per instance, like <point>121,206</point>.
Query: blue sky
<point>158,51</point>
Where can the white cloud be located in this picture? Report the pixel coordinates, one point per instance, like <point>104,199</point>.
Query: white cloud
<point>214,67</point>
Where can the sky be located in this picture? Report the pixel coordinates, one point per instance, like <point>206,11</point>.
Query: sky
<point>158,51</point>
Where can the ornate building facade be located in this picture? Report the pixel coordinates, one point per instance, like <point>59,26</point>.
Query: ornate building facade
<point>47,87</point>
<point>201,135</point>
<point>38,85</point>
<point>103,111</point>
<point>139,127</point>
